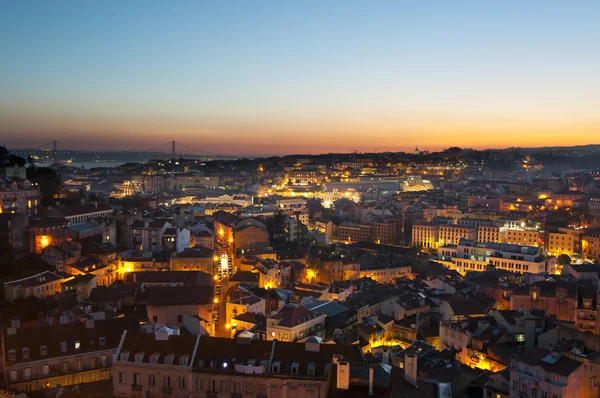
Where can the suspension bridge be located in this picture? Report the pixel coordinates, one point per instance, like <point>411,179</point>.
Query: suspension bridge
<point>56,146</point>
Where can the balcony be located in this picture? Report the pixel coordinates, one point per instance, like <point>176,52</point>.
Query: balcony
<point>166,390</point>
<point>136,387</point>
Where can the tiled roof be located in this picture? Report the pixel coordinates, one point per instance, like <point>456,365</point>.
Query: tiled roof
<point>71,211</point>
<point>245,276</point>
<point>560,365</point>
<point>292,314</point>
<point>250,317</point>
<point>188,278</point>
<point>247,300</point>
<point>185,295</point>
<point>196,252</point>
<point>36,280</point>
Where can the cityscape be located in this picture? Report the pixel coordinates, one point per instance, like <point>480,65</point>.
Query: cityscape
<point>285,200</point>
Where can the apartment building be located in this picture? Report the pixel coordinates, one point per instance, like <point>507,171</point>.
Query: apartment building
<point>194,259</point>
<point>45,231</point>
<point>354,232</point>
<point>542,373</point>
<point>294,208</point>
<point>590,244</point>
<point>470,255</point>
<point>47,357</point>
<point>169,305</point>
<point>564,241</point>
<point>426,235</point>
<point>302,177</point>
<point>18,196</point>
<point>293,322</point>
<point>452,234</point>
<point>148,235</point>
<point>557,299</point>
<point>242,305</point>
<point>42,285</point>
<point>491,233</point>
<point>384,232</point>
<point>149,365</point>
<point>524,237</point>
<point>251,234</point>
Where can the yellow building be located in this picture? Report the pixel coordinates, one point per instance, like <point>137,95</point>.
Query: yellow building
<point>451,234</point>
<point>491,233</point>
<point>524,237</point>
<point>565,241</point>
<point>426,235</point>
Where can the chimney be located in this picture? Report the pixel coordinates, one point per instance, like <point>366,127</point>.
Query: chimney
<point>385,356</point>
<point>371,372</point>
<point>343,375</point>
<point>89,324</point>
<point>410,369</point>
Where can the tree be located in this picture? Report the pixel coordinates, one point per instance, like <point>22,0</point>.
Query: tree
<point>563,259</point>
<point>276,227</point>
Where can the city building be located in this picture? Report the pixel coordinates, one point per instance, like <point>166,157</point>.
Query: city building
<point>18,196</point>
<point>452,234</point>
<point>470,255</point>
<point>81,213</point>
<point>160,364</point>
<point>42,285</point>
<point>48,357</point>
<point>293,322</point>
<point>543,373</point>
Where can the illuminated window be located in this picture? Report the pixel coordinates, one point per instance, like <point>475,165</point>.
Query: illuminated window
<point>77,345</point>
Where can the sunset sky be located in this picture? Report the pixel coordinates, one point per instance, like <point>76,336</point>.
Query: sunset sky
<point>276,77</point>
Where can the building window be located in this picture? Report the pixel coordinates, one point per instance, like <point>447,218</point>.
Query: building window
<point>151,380</point>
<point>180,318</point>
<point>43,350</point>
<point>63,346</point>
<point>199,384</point>
<point>167,381</point>
<point>12,355</point>
<point>224,385</point>
<point>78,345</point>
<point>250,388</point>
<point>102,341</point>
<point>122,378</point>
<point>25,353</point>
<point>181,382</point>
<point>137,379</point>
<point>93,361</point>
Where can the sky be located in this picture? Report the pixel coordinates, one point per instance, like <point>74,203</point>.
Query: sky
<point>279,77</point>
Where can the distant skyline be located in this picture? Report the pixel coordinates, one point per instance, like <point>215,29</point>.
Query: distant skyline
<point>272,77</point>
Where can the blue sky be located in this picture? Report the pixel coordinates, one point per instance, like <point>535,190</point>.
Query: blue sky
<point>272,77</point>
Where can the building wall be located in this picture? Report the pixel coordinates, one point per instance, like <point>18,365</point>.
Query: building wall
<point>62,371</point>
<point>192,264</point>
<point>210,384</point>
<point>174,314</point>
